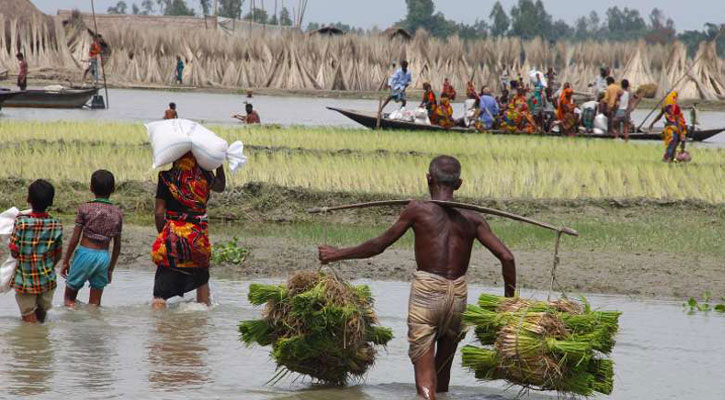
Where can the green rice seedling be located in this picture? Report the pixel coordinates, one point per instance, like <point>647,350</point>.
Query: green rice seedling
<point>393,163</point>
<point>317,326</point>
<point>260,294</point>
<point>532,345</point>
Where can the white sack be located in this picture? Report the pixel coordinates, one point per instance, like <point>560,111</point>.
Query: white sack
<point>209,149</point>
<point>172,138</point>
<point>235,156</point>
<point>532,77</point>
<point>7,269</point>
<point>600,123</point>
<point>168,140</point>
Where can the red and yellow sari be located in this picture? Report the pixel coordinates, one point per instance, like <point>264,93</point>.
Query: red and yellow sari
<point>674,120</point>
<point>565,112</point>
<point>443,115</point>
<point>518,118</point>
<point>184,241</point>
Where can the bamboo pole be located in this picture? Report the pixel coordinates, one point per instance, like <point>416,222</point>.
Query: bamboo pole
<point>380,113</point>
<point>103,70</point>
<point>465,206</point>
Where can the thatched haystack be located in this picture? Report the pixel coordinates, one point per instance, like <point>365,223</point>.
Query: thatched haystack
<point>294,60</point>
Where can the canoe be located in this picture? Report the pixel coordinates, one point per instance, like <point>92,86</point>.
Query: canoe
<point>5,96</point>
<point>369,119</point>
<point>38,98</point>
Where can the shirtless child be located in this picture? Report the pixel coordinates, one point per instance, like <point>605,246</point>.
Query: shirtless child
<point>443,242</point>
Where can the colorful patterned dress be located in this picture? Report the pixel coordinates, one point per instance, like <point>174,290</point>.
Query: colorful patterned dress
<point>184,241</point>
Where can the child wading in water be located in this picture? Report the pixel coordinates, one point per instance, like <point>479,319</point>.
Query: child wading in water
<point>98,221</point>
<point>37,243</point>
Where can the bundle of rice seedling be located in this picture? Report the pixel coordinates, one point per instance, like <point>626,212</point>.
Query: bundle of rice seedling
<point>318,326</point>
<point>559,345</point>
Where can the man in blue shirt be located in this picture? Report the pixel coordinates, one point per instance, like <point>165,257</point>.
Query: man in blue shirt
<point>398,83</point>
<point>488,107</point>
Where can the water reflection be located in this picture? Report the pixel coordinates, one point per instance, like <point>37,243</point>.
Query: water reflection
<point>177,350</point>
<point>91,349</point>
<point>30,370</point>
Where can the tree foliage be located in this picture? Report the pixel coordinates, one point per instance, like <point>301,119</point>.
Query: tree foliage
<point>119,8</point>
<point>230,8</point>
<point>205,7</point>
<point>174,7</point>
<point>500,21</point>
<point>257,15</point>
<point>284,17</point>
<point>529,19</point>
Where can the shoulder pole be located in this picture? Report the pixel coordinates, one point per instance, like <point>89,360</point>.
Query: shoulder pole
<point>465,206</point>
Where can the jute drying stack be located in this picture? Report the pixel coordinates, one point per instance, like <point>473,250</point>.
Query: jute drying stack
<point>318,326</point>
<point>559,345</point>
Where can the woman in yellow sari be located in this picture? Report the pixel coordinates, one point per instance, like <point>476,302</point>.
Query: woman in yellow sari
<point>675,131</point>
<point>443,114</point>
<point>565,111</point>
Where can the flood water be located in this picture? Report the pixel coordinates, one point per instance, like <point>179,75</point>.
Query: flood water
<point>149,105</point>
<point>124,350</point>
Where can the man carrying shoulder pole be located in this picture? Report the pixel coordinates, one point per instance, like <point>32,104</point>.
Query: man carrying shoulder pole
<point>444,239</point>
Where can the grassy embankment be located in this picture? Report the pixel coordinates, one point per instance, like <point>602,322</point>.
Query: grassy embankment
<point>619,196</point>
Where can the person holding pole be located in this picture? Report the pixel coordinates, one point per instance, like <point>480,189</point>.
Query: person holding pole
<point>443,244</point>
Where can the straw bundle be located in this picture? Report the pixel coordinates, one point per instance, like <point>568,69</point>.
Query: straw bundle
<point>317,326</point>
<point>542,346</point>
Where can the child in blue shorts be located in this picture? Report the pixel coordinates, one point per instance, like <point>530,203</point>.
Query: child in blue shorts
<point>98,222</point>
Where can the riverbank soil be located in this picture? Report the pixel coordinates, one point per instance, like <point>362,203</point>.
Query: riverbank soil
<point>635,247</point>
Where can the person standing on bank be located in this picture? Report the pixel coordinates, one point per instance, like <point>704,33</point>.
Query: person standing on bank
<point>22,72</point>
<point>182,250</point>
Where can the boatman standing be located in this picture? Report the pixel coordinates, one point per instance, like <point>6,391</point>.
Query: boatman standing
<point>444,238</point>
<point>398,83</point>
<point>22,72</point>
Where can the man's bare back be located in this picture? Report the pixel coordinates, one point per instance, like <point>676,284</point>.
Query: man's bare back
<point>443,242</point>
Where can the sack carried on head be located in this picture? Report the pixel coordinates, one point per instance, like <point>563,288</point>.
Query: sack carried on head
<point>172,138</point>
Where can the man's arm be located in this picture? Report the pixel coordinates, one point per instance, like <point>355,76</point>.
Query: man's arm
<point>373,247</point>
<point>496,246</point>
<point>71,248</point>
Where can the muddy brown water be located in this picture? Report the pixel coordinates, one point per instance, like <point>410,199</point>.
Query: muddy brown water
<point>124,350</point>
<point>148,105</point>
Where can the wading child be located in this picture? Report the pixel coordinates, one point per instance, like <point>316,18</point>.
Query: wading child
<point>98,222</point>
<point>37,243</point>
<point>444,239</point>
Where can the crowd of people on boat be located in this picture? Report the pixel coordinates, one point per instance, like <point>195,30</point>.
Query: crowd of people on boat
<point>541,104</point>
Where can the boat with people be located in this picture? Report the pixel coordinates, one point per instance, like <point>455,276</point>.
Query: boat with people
<point>49,97</point>
<point>370,119</point>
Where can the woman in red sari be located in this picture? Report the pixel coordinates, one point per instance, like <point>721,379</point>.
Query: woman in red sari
<point>182,250</point>
<point>565,111</point>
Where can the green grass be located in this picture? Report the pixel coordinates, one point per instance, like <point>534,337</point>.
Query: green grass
<point>381,162</point>
<point>645,232</point>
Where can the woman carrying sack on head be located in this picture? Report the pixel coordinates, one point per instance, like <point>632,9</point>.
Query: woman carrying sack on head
<point>182,250</point>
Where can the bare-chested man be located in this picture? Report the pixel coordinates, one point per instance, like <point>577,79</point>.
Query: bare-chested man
<point>443,242</point>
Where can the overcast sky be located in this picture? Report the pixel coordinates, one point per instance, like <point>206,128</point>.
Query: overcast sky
<point>690,14</point>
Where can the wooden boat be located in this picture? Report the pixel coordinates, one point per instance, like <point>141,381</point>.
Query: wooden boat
<point>4,96</point>
<point>40,98</point>
<point>370,120</point>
